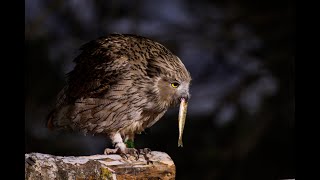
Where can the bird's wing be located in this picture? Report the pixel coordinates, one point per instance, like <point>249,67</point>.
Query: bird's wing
<point>96,71</point>
<point>155,119</point>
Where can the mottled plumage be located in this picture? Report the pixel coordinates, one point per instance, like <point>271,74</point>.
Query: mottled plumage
<point>121,84</point>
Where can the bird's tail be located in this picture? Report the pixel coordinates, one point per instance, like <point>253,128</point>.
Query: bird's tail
<point>50,124</point>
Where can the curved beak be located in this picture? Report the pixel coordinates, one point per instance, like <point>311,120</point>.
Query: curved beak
<point>185,96</point>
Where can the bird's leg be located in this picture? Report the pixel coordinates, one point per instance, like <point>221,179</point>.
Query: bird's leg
<point>120,147</point>
<point>129,140</point>
<point>118,144</point>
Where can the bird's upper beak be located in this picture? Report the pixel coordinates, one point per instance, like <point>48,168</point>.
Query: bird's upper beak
<point>185,96</point>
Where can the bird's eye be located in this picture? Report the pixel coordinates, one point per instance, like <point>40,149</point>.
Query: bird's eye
<point>175,85</point>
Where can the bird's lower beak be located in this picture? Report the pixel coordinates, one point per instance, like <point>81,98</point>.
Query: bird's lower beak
<point>182,119</point>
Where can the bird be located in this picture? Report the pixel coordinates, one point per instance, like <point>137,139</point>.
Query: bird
<point>121,84</point>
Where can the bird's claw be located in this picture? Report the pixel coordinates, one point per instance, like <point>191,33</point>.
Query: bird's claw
<point>145,152</point>
<point>130,151</point>
<point>108,151</point>
<point>133,152</point>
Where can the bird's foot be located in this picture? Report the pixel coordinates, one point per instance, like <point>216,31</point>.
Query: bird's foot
<point>130,151</point>
<point>124,152</point>
<point>111,151</point>
<point>133,152</point>
<point>145,152</point>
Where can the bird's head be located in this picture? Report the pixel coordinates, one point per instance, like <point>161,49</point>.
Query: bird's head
<point>169,81</point>
<point>173,85</point>
<point>173,88</point>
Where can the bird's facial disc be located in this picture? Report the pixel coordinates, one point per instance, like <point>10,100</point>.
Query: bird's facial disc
<point>171,91</point>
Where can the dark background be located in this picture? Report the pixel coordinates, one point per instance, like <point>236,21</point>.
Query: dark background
<point>241,55</point>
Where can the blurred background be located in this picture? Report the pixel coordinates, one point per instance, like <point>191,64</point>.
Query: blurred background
<point>241,55</point>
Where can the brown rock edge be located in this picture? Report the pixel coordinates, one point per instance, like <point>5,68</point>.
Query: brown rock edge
<point>46,166</point>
